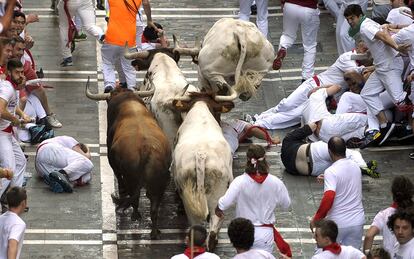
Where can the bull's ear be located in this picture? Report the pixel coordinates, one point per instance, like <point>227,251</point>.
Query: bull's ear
<point>180,105</point>
<point>226,107</point>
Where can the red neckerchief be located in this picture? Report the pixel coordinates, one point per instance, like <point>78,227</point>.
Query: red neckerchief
<point>394,205</point>
<point>258,177</point>
<point>197,250</point>
<point>334,248</point>
<point>143,39</point>
<point>8,78</point>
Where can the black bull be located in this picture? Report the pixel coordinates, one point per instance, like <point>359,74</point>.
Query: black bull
<point>139,154</point>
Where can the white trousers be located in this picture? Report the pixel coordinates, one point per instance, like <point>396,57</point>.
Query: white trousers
<point>263,239</point>
<point>379,80</point>
<point>279,120</point>
<point>308,18</point>
<point>33,109</point>
<point>346,125</point>
<point>333,7</point>
<point>111,54</point>
<point>86,12</point>
<point>53,157</point>
<point>262,13</point>
<point>351,102</point>
<point>344,42</point>
<point>11,156</point>
<point>351,236</point>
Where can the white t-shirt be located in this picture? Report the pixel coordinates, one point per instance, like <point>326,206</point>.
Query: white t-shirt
<point>322,160</point>
<point>404,36</point>
<point>383,54</point>
<point>205,255</point>
<point>254,201</point>
<point>395,17</point>
<point>11,227</point>
<point>335,73</point>
<point>380,222</point>
<point>232,131</point>
<point>315,108</point>
<point>347,252</point>
<point>405,251</point>
<point>10,95</point>
<point>254,254</point>
<point>64,141</point>
<point>344,178</point>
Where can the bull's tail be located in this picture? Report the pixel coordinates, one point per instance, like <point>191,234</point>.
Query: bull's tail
<point>240,36</point>
<point>247,81</point>
<point>194,194</point>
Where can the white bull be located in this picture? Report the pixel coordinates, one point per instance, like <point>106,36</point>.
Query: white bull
<point>169,82</point>
<point>234,48</point>
<point>202,160</point>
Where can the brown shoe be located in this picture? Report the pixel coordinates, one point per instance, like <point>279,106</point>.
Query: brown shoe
<point>277,63</point>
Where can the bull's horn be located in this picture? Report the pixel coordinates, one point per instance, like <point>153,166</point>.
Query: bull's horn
<point>185,51</point>
<point>134,55</point>
<point>97,97</point>
<point>143,94</point>
<point>227,98</point>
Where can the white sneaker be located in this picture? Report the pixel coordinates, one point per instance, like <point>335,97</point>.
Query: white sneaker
<point>51,119</point>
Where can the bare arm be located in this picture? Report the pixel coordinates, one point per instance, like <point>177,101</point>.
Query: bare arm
<point>369,237</point>
<point>260,134</point>
<point>12,249</point>
<point>6,19</point>
<point>386,38</point>
<point>147,10</point>
<point>6,115</point>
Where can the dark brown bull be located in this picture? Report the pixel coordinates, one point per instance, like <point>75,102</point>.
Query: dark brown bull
<point>138,152</point>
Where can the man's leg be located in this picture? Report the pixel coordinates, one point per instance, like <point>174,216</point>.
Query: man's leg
<point>280,120</point>
<point>351,236</point>
<point>262,13</point>
<point>244,13</point>
<point>78,165</point>
<point>310,26</point>
<point>20,164</point>
<point>86,13</point>
<point>7,159</point>
<point>351,102</point>
<point>344,42</point>
<point>128,69</point>
<point>297,97</point>
<point>347,125</point>
<point>332,6</point>
<point>63,30</point>
<point>109,58</point>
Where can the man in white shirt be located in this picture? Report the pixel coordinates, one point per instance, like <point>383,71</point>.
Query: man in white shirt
<point>326,233</point>
<point>402,193</point>
<point>256,194</point>
<point>333,75</point>
<point>387,74</point>
<point>342,198</point>
<point>62,162</point>
<point>395,16</point>
<point>11,155</point>
<point>12,227</point>
<point>195,241</point>
<point>402,225</point>
<point>241,234</point>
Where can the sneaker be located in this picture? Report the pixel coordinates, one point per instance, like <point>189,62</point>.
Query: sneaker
<point>372,164</point>
<point>100,6</point>
<point>53,186</point>
<point>386,132</point>
<point>40,73</point>
<point>277,63</point>
<point>36,132</point>
<point>108,89</point>
<point>47,135</point>
<point>51,119</point>
<point>371,173</point>
<point>354,142</point>
<point>371,138</point>
<point>61,179</point>
<point>401,132</point>
<point>248,118</point>
<point>102,39</point>
<point>80,37</point>
<point>67,62</point>
<point>253,9</point>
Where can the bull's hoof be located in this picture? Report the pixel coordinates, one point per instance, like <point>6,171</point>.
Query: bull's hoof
<point>155,234</point>
<point>212,241</point>
<point>136,216</point>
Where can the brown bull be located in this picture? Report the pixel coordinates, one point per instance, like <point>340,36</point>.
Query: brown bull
<point>138,152</point>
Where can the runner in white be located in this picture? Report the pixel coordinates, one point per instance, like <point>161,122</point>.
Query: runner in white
<point>402,225</point>
<point>342,198</point>
<point>62,162</point>
<point>12,227</point>
<point>333,75</point>
<point>326,233</point>
<point>256,194</point>
<point>196,242</point>
<point>395,16</point>
<point>402,193</point>
<point>387,74</point>
<point>306,14</point>
<point>11,155</point>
